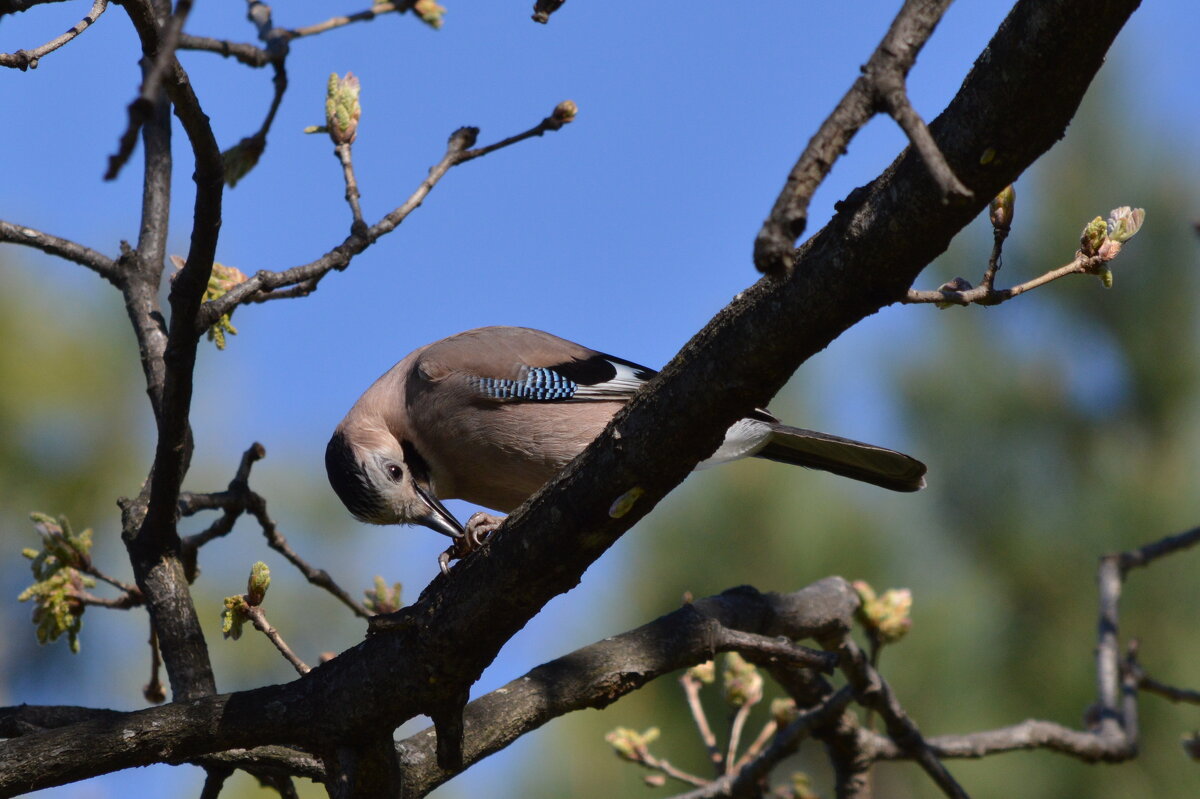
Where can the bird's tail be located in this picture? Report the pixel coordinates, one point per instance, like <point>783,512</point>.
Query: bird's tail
<point>842,456</point>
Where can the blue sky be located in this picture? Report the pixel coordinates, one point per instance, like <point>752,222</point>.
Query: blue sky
<point>625,231</point>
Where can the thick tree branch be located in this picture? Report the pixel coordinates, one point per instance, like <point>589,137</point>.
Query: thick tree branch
<point>149,522</point>
<point>842,275</point>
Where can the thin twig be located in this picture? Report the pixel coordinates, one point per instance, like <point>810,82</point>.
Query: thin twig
<point>68,250</point>
<point>1144,556</point>
<point>28,59</point>
<point>378,9</point>
<point>756,746</point>
<point>999,234</point>
<point>245,53</point>
<point>691,689</point>
<point>259,619</point>
<point>257,507</point>
<point>891,92</point>
<point>342,151</point>
<point>258,287</point>
<point>142,106</point>
<point>744,782</point>
<point>123,602</point>
<point>153,690</point>
<point>115,583</point>
<point>872,691</point>
<point>735,732</point>
<point>982,295</point>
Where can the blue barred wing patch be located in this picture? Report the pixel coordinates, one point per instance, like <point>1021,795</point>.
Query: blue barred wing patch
<point>540,385</point>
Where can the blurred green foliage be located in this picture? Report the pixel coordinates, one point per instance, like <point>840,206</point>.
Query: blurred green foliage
<point>1058,427</point>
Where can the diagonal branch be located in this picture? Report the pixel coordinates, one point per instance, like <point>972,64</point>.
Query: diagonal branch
<point>259,288</point>
<point>28,59</point>
<point>459,623</point>
<point>68,250</point>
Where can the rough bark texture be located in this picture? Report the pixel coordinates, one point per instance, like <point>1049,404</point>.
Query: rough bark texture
<point>1013,106</point>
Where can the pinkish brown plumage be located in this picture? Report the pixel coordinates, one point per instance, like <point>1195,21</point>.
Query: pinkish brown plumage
<point>491,414</point>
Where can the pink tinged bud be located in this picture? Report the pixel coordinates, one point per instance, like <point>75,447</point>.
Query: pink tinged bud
<point>342,109</point>
<point>1124,223</point>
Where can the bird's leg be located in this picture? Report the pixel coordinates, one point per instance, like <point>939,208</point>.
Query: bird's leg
<point>479,528</point>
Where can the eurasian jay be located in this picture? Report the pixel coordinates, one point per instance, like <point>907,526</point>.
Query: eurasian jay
<point>490,415</point>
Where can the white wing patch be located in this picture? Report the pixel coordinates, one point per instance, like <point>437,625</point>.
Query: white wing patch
<point>625,383</point>
<point>745,438</point>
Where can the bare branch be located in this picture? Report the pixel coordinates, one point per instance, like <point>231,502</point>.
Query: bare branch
<point>63,248</point>
<point>238,499</point>
<point>141,108</point>
<point>746,781</point>
<point>1028,735</point>
<point>376,10</point>
<point>691,688</point>
<point>1144,556</point>
<point>259,287</point>
<point>342,151</point>
<point>259,619</point>
<point>985,295</point>
<point>873,692</point>
<point>599,673</point>
<point>243,52</point>
<point>894,56</point>
<point>891,92</point>
<point>28,59</point>
<point>257,506</point>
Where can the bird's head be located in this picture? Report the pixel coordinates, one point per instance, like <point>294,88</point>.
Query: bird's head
<point>383,480</point>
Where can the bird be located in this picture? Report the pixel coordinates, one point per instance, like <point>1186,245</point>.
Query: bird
<point>491,414</point>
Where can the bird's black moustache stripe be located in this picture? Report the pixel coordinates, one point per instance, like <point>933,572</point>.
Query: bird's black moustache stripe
<point>349,480</point>
<point>417,466</point>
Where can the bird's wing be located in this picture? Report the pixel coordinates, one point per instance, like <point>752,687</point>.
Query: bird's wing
<point>516,364</point>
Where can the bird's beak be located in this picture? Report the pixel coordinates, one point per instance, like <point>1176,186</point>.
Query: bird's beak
<point>438,518</point>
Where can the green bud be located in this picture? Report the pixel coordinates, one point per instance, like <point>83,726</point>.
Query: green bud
<point>342,108</point>
<point>888,615</point>
<point>257,585</point>
<point>1000,211</point>
<point>631,744</point>
<point>1106,276</point>
<point>705,672</point>
<point>234,616</point>
<point>1093,236</point>
<point>784,711</point>
<point>382,599</point>
<point>743,683</point>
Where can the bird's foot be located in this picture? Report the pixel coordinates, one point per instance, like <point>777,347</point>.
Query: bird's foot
<point>479,528</point>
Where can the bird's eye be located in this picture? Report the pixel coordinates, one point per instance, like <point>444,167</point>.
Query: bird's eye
<point>395,472</point>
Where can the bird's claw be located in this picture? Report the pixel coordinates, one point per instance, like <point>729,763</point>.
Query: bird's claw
<point>478,530</point>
